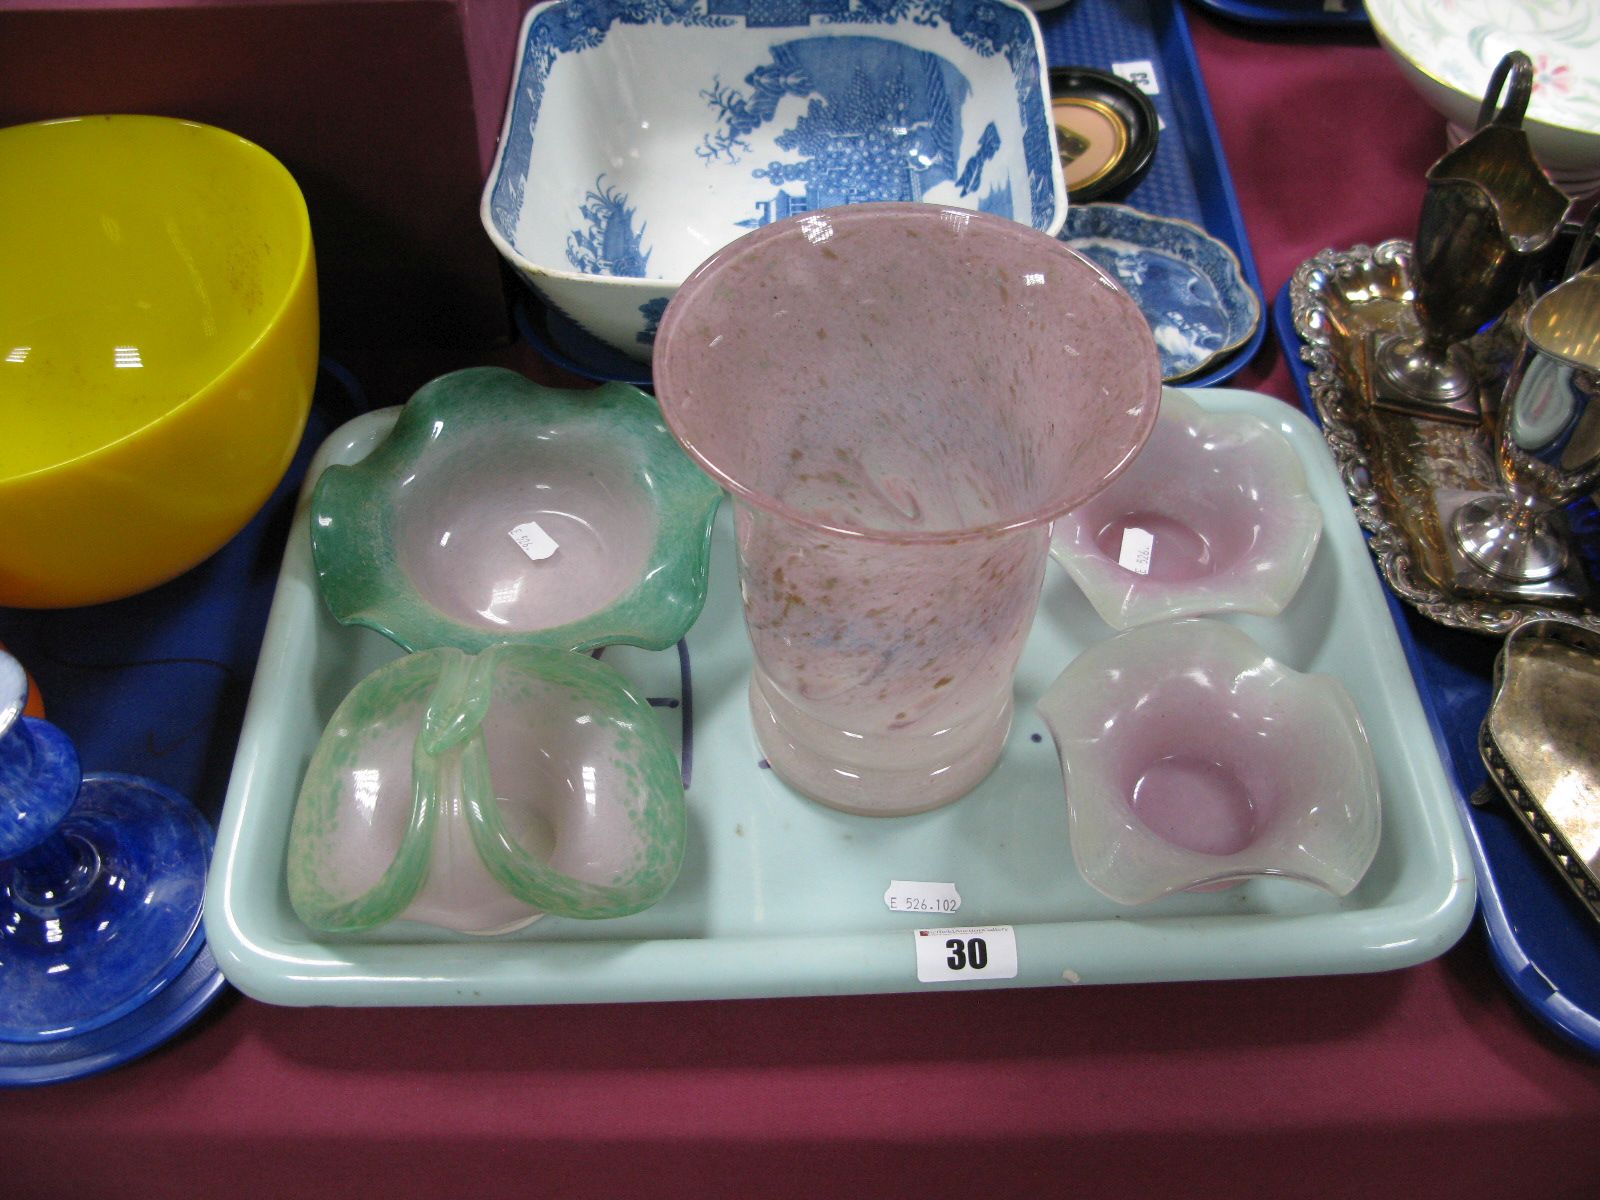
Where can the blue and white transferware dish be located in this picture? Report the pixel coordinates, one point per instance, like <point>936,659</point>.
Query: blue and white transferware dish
<point>641,136</point>
<point>1189,285</point>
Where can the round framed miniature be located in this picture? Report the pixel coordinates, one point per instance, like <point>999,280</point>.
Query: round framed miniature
<point>1106,132</point>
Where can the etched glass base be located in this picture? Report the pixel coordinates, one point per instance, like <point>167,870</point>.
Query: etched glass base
<point>893,774</point>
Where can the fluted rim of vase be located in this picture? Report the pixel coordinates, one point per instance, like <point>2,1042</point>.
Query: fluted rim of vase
<point>670,385</point>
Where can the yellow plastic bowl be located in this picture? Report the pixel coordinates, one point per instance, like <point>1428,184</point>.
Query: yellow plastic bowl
<point>158,349</point>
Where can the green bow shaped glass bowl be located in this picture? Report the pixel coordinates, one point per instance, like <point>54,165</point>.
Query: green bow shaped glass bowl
<point>479,792</point>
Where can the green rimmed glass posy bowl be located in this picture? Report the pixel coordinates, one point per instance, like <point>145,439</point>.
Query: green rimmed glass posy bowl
<point>479,792</point>
<point>499,510</point>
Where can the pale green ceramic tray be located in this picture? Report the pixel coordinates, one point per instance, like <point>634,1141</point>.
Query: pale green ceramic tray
<point>780,896</point>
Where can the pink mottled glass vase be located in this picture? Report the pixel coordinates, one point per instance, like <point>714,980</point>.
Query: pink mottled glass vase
<point>900,398</point>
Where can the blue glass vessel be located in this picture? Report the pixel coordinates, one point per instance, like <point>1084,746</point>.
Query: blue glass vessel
<point>101,882</point>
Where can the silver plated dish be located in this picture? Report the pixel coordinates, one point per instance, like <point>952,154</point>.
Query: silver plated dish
<point>1541,749</point>
<point>1405,476</point>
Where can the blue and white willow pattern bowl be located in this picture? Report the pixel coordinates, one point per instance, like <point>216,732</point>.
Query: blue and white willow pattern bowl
<point>641,136</point>
<point>1189,286</point>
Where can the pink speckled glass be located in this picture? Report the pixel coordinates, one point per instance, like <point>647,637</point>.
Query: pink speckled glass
<point>901,398</point>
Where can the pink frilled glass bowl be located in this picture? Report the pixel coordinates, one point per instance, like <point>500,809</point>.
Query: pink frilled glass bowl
<point>900,399</point>
<point>1214,516</point>
<point>1192,761</point>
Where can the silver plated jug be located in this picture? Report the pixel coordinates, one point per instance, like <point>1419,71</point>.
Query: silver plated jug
<point>1489,213</point>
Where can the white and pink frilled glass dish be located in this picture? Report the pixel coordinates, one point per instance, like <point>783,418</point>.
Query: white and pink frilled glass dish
<point>1193,761</point>
<point>1214,515</point>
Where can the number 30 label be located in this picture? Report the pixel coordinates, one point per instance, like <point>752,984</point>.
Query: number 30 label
<point>951,955</point>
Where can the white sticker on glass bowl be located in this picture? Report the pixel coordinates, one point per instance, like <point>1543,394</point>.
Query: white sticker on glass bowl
<point>535,542</point>
<point>1141,73</point>
<point>916,896</point>
<point>951,955</point>
<point>1136,547</point>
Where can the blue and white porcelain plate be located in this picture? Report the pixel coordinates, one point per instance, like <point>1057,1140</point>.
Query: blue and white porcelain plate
<point>643,135</point>
<point>1189,285</point>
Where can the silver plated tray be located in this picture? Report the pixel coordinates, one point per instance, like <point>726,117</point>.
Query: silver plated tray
<point>1403,474</point>
<point>1539,746</point>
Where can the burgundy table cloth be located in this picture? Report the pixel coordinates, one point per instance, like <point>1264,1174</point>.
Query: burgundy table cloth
<point>1427,1082</point>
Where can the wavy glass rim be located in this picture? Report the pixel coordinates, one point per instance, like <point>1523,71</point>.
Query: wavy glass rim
<point>653,613</point>
<point>1127,601</point>
<point>661,821</point>
<point>1173,867</point>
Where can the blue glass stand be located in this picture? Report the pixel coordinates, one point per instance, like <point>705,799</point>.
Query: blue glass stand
<point>155,686</point>
<point>102,879</point>
<point>36,760</point>
<point>152,1024</point>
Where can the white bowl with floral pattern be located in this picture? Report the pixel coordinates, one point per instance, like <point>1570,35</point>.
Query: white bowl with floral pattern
<point>1449,51</point>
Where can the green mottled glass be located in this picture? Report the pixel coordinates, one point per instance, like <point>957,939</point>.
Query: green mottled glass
<point>478,792</point>
<point>498,510</point>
